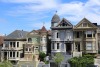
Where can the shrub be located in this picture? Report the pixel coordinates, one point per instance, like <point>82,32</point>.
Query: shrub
<point>99,51</point>
<point>82,61</point>
<point>42,55</point>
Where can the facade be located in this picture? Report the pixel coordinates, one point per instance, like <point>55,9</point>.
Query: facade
<point>85,37</point>
<point>62,35</point>
<point>69,39</point>
<point>24,46</point>
<point>13,46</point>
<point>98,32</point>
<point>1,44</point>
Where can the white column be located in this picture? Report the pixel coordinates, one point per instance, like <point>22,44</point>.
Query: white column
<point>3,45</point>
<point>15,54</point>
<point>72,48</point>
<point>2,55</point>
<point>81,46</point>
<point>19,54</point>
<point>65,47</point>
<point>7,55</point>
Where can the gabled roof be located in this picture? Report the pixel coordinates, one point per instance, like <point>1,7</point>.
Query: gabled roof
<point>39,32</point>
<point>17,34</point>
<point>82,21</point>
<point>43,29</point>
<point>65,20</point>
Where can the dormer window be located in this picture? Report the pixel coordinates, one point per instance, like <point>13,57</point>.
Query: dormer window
<point>63,24</point>
<point>30,40</point>
<point>84,24</point>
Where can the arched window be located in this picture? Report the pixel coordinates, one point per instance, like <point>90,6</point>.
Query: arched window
<point>29,40</point>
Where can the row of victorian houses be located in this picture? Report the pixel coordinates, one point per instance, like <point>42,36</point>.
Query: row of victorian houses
<point>63,37</point>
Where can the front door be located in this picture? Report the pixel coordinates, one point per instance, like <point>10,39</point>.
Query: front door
<point>5,55</point>
<point>78,47</point>
<point>68,48</point>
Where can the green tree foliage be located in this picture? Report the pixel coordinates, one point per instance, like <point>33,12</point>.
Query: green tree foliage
<point>58,58</point>
<point>42,55</point>
<point>6,63</point>
<point>82,61</point>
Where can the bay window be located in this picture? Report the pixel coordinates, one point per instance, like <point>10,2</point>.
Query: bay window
<point>89,46</point>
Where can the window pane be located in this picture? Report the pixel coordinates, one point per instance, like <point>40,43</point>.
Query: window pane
<point>17,44</point>
<point>29,40</point>
<point>57,45</point>
<point>57,35</point>
<point>13,44</point>
<point>17,54</point>
<point>13,54</point>
<point>89,35</point>
<point>29,49</point>
<point>89,46</point>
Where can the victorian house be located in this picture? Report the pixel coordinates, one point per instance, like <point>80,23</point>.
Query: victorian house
<point>1,44</point>
<point>24,46</point>
<point>69,39</point>
<point>86,37</point>
<point>13,46</point>
<point>62,35</point>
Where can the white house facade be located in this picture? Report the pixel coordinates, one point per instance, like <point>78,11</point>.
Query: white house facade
<point>62,35</point>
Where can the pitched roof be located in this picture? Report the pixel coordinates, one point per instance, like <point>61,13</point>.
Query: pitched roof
<point>1,40</point>
<point>17,34</point>
<point>85,19</point>
<point>64,20</point>
<point>43,29</point>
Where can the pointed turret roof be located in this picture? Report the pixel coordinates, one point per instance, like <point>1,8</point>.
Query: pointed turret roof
<point>43,29</point>
<point>55,18</point>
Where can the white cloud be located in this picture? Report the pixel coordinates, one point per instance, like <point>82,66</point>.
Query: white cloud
<point>73,11</point>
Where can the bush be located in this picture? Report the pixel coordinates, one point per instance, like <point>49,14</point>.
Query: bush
<point>6,63</point>
<point>99,51</point>
<point>42,55</point>
<point>82,61</point>
<point>58,58</point>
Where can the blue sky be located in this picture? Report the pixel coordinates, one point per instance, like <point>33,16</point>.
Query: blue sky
<point>31,14</point>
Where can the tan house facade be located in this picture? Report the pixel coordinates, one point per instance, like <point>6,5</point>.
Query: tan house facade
<point>85,37</point>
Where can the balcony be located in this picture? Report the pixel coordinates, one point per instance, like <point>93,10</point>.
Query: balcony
<point>58,39</point>
<point>14,58</point>
<point>11,48</point>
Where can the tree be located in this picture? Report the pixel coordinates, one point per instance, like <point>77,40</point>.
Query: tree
<point>42,55</point>
<point>58,58</point>
<point>6,63</point>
